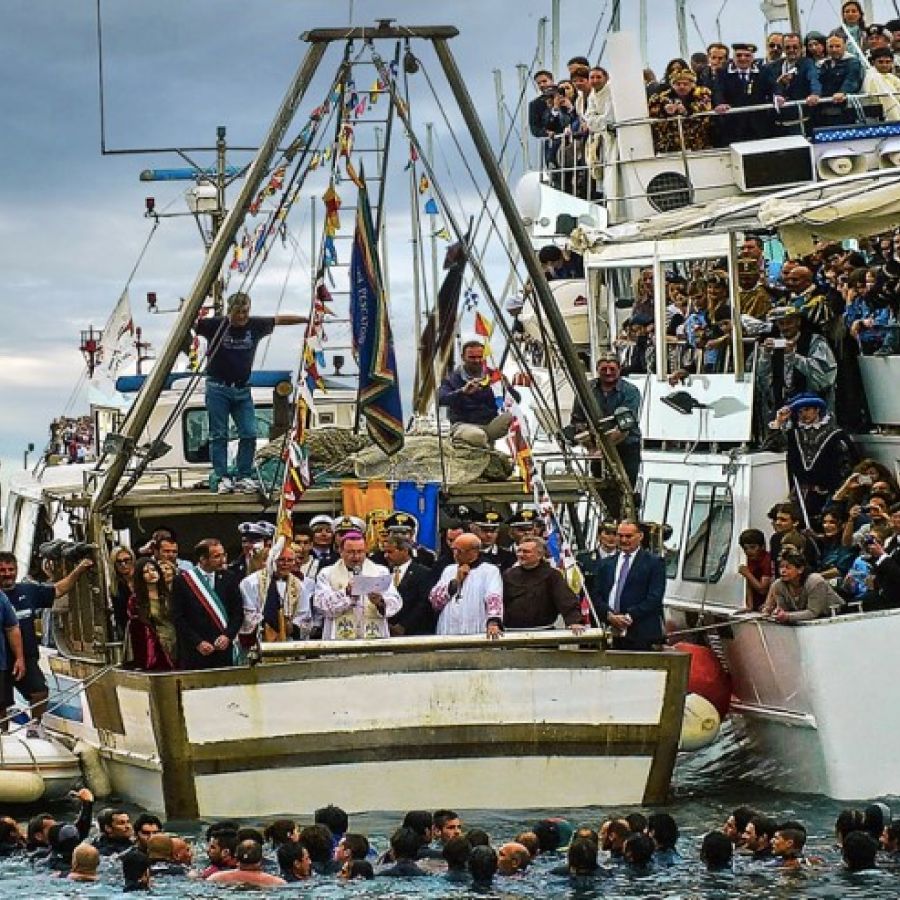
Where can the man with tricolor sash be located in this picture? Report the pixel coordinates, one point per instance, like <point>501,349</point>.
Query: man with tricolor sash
<point>206,609</point>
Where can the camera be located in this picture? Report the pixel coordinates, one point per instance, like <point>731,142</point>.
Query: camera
<point>779,343</point>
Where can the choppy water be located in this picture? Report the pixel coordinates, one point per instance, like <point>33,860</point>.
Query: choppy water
<point>703,796</point>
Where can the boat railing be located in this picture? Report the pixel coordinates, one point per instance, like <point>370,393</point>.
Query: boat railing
<point>591,639</point>
<point>576,164</point>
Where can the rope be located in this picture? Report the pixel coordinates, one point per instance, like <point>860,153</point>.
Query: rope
<point>61,697</point>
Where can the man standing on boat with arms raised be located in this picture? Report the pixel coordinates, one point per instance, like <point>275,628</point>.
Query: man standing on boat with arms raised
<point>231,345</point>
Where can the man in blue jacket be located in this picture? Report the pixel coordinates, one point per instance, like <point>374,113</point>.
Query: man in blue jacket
<point>631,586</point>
<point>794,77</point>
<point>472,405</point>
<point>841,74</point>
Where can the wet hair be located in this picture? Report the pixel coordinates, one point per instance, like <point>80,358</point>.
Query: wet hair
<point>419,820</point>
<point>638,849</point>
<point>317,839</point>
<point>249,852</point>
<point>548,835</point>
<point>248,833</point>
<point>357,844</point>
<point>716,850</point>
<point>211,831</point>
<point>797,836</point>
<point>360,868</point>
<point>752,536</point>
<point>742,815</point>
<point>637,822</point>
<point>529,840</point>
<point>859,851</point>
<point>478,837</point>
<point>483,864</point>
<point>456,852</point>
<point>663,829</point>
<point>405,843</point>
<point>227,840</point>
<point>279,832</point>
<point>288,854</point>
<point>848,820</point>
<point>765,826</point>
<point>442,816</point>
<point>334,818</point>
<point>9,832</point>
<point>588,833</point>
<point>582,855</point>
<point>135,865</point>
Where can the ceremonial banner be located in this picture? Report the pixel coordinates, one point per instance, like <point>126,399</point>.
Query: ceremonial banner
<point>436,346</point>
<point>373,345</point>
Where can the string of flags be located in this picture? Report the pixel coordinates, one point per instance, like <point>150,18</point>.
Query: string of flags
<point>296,453</point>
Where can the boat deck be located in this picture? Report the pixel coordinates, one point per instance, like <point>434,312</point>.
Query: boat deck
<point>185,501</point>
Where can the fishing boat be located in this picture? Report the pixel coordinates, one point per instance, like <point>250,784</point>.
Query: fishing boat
<point>533,720</point>
<point>813,703</point>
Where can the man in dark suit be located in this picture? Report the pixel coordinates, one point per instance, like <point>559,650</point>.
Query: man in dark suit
<point>743,82</point>
<point>414,583</point>
<point>206,609</point>
<point>631,586</point>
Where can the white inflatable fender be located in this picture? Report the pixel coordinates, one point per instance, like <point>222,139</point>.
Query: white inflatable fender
<point>94,770</point>
<point>20,787</point>
<point>700,725</point>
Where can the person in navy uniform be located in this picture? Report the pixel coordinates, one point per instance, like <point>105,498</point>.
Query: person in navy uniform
<point>743,82</point>
<point>256,541</point>
<point>231,343</point>
<point>487,527</point>
<point>406,525</point>
<point>630,589</point>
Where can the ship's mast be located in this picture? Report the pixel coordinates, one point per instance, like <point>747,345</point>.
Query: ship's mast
<point>319,40</point>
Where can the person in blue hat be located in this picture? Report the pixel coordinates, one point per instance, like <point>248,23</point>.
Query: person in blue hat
<point>820,455</point>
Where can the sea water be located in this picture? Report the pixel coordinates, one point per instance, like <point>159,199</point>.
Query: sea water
<point>706,788</point>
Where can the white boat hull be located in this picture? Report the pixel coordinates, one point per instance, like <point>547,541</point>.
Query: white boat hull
<point>817,717</point>
<point>522,726</point>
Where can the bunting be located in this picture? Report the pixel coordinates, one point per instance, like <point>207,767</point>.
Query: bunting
<point>296,453</point>
<point>378,398</point>
<point>484,328</point>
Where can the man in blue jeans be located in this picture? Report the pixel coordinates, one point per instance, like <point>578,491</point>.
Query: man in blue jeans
<point>231,345</point>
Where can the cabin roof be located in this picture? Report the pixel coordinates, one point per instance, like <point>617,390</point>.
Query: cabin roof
<point>834,210</point>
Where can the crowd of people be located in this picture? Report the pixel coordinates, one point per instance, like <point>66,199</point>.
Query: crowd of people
<point>795,84</point>
<point>340,579</point>
<point>141,855</point>
<point>71,440</point>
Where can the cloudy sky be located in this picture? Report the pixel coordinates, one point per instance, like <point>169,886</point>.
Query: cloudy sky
<point>71,219</point>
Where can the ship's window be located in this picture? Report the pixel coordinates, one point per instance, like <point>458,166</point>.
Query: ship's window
<point>665,502</point>
<point>195,429</point>
<point>709,533</point>
<point>326,418</point>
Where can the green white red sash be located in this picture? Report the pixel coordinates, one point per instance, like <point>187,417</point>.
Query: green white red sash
<point>206,596</point>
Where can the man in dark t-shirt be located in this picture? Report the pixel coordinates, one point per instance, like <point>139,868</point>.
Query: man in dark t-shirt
<point>28,599</point>
<point>231,345</point>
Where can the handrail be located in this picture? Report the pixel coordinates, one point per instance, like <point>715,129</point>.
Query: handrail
<point>758,107</point>
<point>592,638</point>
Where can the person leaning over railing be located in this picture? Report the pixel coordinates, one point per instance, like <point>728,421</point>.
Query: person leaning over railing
<point>799,594</point>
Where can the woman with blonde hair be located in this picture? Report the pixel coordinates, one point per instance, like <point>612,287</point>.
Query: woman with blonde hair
<point>121,585</point>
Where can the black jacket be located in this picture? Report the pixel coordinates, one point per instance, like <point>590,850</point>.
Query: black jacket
<point>194,624</point>
<point>416,615</point>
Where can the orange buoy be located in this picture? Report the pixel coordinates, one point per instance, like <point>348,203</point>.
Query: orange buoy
<point>707,677</point>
